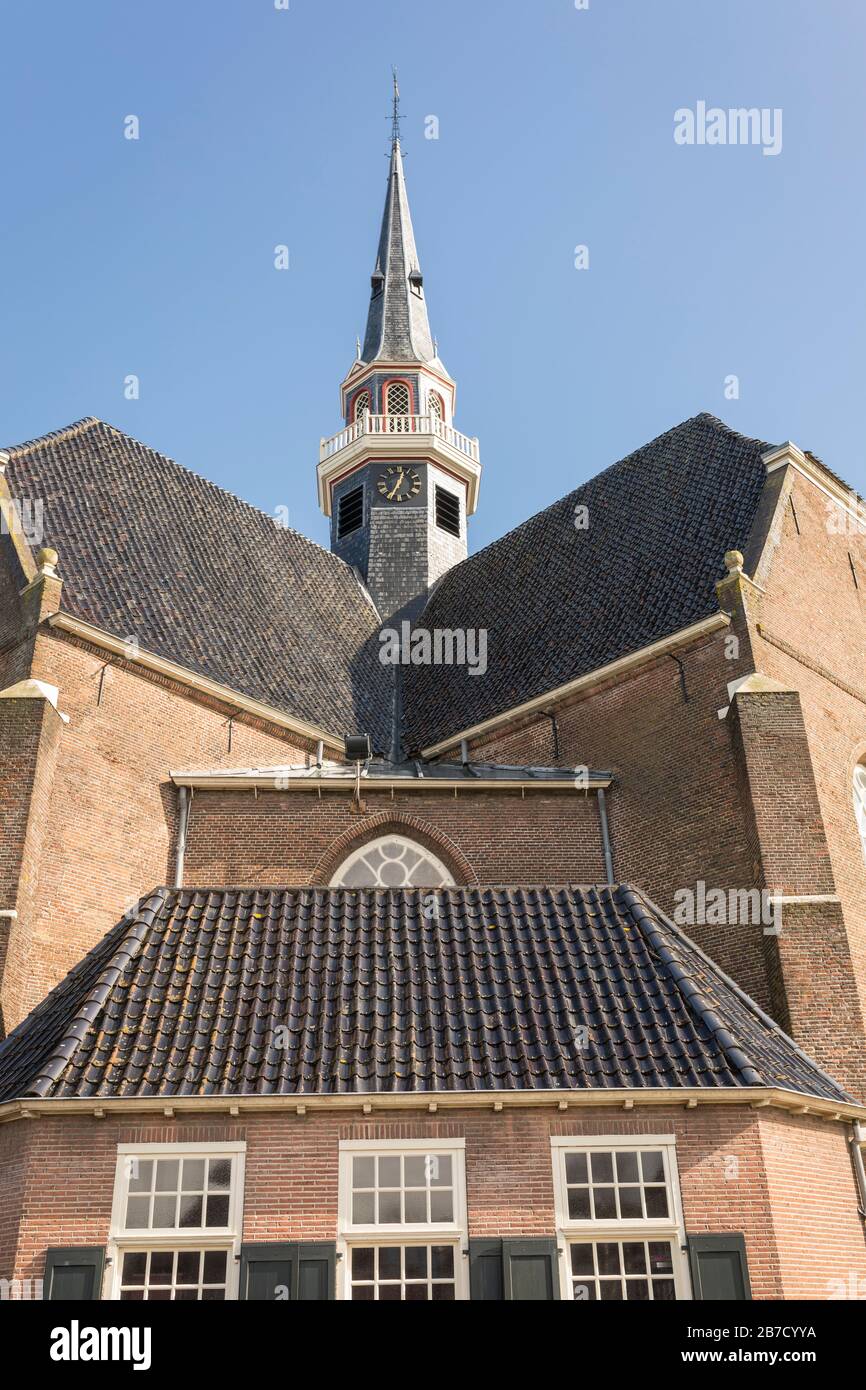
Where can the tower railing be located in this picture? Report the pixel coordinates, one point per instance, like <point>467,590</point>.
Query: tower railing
<point>398,424</point>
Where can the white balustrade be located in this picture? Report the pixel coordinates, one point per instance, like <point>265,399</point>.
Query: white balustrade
<point>398,424</point>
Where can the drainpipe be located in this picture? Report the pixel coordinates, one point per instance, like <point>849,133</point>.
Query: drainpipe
<point>605,835</point>
<point>857,1159</point>
<point>183,804</point>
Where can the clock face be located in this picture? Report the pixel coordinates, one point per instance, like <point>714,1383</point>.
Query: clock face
<point>397,483</point>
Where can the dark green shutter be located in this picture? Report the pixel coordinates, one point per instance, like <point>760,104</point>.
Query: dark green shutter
<point>286,1271</point>
<point>73,1273</point>
<point>719,1267</point>
<point>317,1270</point>
<point>530,1270</point>
<point>521,1270</point>
<point>486,1275</point>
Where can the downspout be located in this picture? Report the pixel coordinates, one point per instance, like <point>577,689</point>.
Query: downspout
<point>605,835</point>
<point>183,807</point>
<point>857,1142</point>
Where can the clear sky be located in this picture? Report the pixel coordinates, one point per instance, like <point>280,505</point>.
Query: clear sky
<point>262,126</point>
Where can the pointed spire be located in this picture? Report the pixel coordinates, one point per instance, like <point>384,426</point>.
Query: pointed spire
<point>397,324</point>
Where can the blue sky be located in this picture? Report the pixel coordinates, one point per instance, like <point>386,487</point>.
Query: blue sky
<point>261,126</point>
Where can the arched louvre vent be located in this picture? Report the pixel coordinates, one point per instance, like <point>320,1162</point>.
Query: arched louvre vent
<point>398,406</point>
<point>447,511</point>
<point>350,512</point>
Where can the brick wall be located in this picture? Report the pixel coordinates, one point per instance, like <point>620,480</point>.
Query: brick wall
<point>676,815</point>
<point>286,838</point>
<point>110,817</point>
<point>784,1181</point>
<point>810,633</point>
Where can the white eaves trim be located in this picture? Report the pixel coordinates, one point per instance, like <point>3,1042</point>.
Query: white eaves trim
<point>623,664</point>
<point>273,781</point>
<point>788,455</point>
<point>87,632</point>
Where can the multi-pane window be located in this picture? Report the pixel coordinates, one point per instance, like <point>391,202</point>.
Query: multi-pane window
<point>860,802</point>
<point>179,1275</point>
<point>362,405</point>
<point>403,1220</point>
<point>165,1194</point>
<point>176,1221</point>
<point>619,1219</point>
<point>622,1184</point>
<point>631,1271</point>
<point>398,405</point>
<point>434,406</point>
<point>402,1189</point>
<point>403,1273</point>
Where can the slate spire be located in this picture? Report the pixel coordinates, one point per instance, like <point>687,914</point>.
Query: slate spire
<point>397,326</point>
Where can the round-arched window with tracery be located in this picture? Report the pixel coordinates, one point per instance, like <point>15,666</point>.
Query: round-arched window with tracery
<point>860,802</point>
<point>392,861</point>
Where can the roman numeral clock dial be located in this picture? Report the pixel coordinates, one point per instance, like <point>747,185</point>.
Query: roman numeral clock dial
<point>398,484</point>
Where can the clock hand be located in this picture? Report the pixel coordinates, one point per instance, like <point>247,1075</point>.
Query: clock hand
<point>396,485</point>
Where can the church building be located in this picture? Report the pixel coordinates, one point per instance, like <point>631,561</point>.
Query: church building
<point>394,922</point>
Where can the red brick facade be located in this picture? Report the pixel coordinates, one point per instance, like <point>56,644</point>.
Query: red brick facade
<point>740,1170</point>
<point>747,792</point>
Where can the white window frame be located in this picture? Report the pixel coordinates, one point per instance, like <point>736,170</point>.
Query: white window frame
<point>454,1233</point>
<point>570,1231</point>
<point>447,880</point>
<point>226,1238</point>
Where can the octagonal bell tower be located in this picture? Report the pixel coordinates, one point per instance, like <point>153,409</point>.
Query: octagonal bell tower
<point>398,481</point>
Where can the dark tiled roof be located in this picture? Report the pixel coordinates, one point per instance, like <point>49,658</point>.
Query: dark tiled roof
<point>558,602</point>
<point>397,326</point>
<point>199,577</point>
<point>373,996</point>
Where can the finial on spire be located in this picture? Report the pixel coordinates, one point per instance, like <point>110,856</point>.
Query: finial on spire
<point>357,349</point>
<point>395,117</point>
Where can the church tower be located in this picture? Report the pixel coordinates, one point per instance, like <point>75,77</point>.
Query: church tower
<point>398,481</point>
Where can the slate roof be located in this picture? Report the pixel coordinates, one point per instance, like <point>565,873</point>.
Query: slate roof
<point>375,997</point>
<point>558,602</point>
<point>201,578</point>
<point>397,326</point>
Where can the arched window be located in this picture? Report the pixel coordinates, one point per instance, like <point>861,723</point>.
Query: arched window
<point>435,406</point>
<point>398,406</point>
<point>392,861</point>
<point>860,802</point>
<point>362,405</point>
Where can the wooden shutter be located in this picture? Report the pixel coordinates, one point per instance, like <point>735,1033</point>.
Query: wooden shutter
<point>486,1275</point>
<point>73,1273</point>
<point>288,1271</point>
<point>530,1270</point>
<point>522,1270</point>
<point>720,1270</point>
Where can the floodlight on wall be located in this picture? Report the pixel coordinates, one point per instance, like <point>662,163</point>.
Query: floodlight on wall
<point>358,748</point>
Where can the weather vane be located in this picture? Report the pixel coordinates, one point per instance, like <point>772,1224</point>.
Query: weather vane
<point>395,116</point>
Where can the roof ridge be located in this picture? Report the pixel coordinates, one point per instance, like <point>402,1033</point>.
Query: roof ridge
<point>653,930</point>
<point>703,417</point>
<point>93,1004</point>
<point>90,421</point>
<point>29,446</point>
<point>746,999</point>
